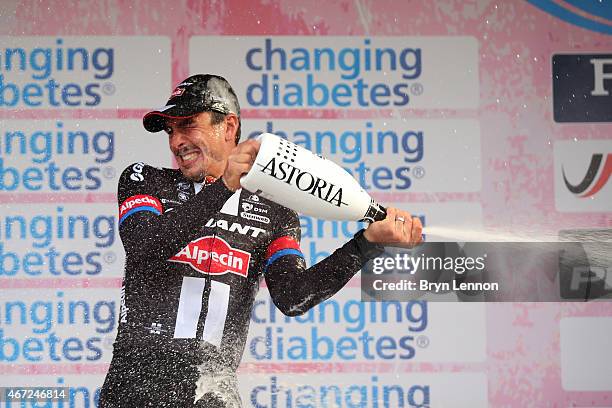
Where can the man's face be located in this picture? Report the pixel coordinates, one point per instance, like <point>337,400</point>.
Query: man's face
<point>199,147</point>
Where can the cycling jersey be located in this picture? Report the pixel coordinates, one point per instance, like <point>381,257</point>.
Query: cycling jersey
<point>194,263</point>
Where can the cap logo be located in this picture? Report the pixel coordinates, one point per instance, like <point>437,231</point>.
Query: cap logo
<point>177,92</point>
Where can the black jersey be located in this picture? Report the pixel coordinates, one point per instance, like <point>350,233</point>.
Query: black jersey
<point>194,263</point>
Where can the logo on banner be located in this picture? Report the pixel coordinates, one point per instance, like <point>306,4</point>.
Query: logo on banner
<point>41,65</point>
<point>594,179</point>
<point>585,264</point>
<point>298,72</point>
<point>51,156</point>
<point>214,256</point>
<point>582,174</point>
<point>290,76</point>
<point>585,14</point>
<point>602,76</point>
<point>52,241</point>
<point>319,336</point>
<point>358,150</point>
<point>581,87</point>
<point>325,391</point>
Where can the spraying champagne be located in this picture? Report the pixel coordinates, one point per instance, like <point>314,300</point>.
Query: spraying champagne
<point>309,184</point>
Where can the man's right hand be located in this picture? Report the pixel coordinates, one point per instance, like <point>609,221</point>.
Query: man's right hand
<point>399,228</point>
<point>239,162</point>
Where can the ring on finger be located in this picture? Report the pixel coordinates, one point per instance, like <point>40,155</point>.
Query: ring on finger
<point>400,218</point>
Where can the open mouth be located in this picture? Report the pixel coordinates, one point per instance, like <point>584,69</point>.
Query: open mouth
<point>187,158</point>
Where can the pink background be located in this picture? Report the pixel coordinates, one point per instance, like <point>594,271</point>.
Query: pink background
<point>516,43</point>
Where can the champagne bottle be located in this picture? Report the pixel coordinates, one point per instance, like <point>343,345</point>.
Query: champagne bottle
<point>307,183</point>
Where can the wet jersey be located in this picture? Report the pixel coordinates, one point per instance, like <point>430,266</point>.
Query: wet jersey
<point>194,263</point>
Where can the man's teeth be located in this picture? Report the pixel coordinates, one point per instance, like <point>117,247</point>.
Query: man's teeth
<point>188,156</point>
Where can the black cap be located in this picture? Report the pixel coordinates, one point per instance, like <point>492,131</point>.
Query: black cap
<point>198,93</point>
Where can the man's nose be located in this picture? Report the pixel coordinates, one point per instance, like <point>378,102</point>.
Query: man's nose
<point>177,140</point>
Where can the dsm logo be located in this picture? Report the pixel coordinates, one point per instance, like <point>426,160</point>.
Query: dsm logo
<point>582,87</point>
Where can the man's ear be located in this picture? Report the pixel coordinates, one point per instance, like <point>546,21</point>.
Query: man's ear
<point>231,127</point>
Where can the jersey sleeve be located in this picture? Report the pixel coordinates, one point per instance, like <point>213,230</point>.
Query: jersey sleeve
<point>146,231</point>
<point>293,287</point>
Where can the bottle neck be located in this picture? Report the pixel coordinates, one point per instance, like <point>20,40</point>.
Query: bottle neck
<point>375,212</point>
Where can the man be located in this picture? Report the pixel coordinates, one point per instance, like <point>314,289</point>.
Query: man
<point>197,246</point>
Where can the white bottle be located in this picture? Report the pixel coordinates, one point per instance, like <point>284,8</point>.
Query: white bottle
<point>308,184</point>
